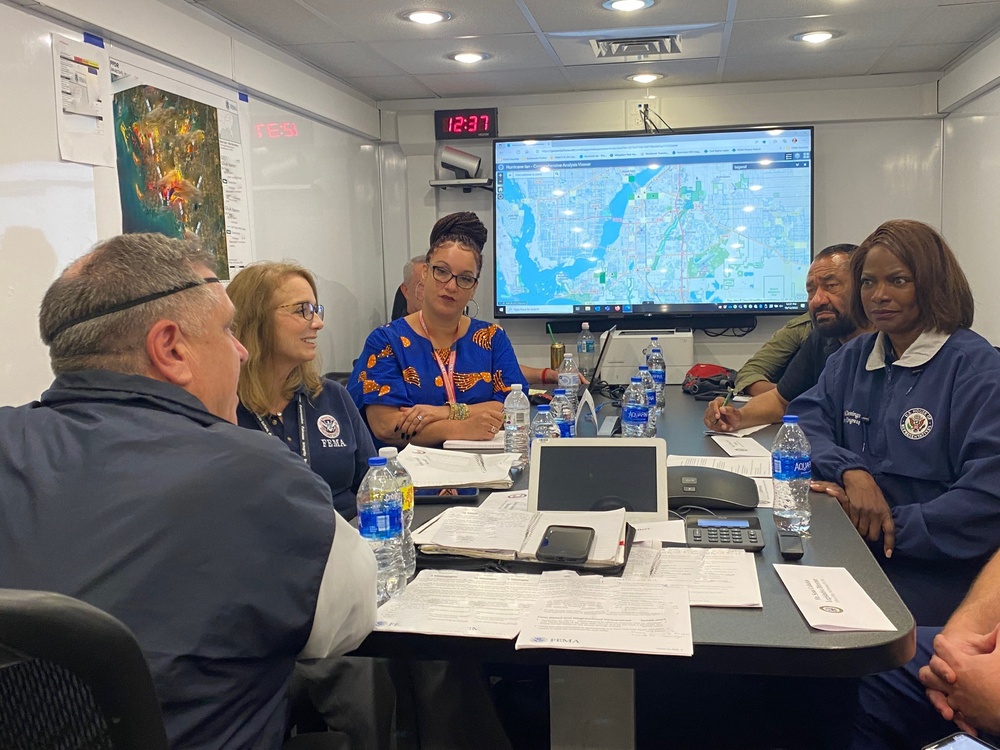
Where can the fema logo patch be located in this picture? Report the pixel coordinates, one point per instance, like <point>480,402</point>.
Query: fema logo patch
<point>916,423</point>
<point>328,425</point>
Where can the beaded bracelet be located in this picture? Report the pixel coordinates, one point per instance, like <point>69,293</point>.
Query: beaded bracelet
<point>457,411</point>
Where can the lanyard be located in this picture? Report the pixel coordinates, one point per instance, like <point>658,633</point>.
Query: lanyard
<point>447,373</point>
<point>303,437</point>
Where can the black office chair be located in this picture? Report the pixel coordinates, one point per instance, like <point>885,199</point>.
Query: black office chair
<point>340,376</point>
<point>72,677</point>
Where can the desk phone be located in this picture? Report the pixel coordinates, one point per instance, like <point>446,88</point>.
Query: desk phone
<point>739,532</point>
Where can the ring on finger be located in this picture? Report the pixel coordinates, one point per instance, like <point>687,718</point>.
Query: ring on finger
<point>420,417</point>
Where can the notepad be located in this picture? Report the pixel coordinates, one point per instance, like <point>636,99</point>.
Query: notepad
<point>496,443</point>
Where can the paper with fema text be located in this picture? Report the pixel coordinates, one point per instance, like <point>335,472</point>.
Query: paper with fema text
<point>739,447</point>
<point>830,598</point>
<point>754,466</point>
<point>595,613</point>
<point>712,577</point>
<point>458,602</point>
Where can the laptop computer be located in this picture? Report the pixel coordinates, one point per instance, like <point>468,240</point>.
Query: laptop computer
<point>600,474</point>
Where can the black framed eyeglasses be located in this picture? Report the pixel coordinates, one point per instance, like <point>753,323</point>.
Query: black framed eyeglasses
<point>306,309</point>
<point>442,275</point>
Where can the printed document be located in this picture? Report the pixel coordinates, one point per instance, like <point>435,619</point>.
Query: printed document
<point>713,577</point>
<point>434,467</point>
<point>594,613</point>
<point>496,443</point>
<point>739,447</point>
<point>830,598</point>
<point>513,500</point>
<point>765,492</point>
<point>455,602</point>
<point>745,432</point>
<point>754,466</point>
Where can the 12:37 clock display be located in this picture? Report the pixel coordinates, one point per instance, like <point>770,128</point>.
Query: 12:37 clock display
<point>450,124</point>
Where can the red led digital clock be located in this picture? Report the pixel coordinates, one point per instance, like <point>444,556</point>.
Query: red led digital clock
<point>451,124</point>
<point>277,130</point>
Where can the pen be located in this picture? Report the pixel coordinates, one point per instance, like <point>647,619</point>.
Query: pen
<point>729,397</point>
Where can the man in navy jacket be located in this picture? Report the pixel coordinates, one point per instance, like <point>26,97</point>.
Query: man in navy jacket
<point>129,486</point>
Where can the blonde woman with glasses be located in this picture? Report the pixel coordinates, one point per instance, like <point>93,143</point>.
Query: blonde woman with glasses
<point>281,390</point>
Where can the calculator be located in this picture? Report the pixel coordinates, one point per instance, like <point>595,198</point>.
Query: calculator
<point>738,532</point>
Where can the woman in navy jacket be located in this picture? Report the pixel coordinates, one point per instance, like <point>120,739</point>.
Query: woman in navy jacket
<point>905,423</point>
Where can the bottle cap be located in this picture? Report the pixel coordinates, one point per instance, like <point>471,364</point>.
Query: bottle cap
<point>513,387</point>
<point>790,419</point>
<point>585,326</point>
<point>388,452</point>
<point>559,392</point>
<point>543,408</point>
<point>376,461</point>
<point>643,367</point>
<point>636,379</point>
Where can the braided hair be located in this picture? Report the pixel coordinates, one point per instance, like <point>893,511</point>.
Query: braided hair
<point>462,228</point>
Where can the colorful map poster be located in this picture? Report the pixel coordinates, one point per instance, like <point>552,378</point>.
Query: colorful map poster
<point>181,167</point>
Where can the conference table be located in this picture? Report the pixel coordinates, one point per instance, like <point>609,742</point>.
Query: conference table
<point>774,640</point>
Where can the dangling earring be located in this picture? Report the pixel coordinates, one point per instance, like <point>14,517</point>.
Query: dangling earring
<point>473,302</point>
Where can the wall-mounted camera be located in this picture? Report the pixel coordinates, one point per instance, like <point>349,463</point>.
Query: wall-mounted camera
<point>464,166</point>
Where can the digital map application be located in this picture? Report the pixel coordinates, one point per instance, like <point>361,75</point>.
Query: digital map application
<point>722,223</point>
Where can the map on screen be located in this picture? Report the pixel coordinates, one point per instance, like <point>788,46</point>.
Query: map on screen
<point>654,223</point>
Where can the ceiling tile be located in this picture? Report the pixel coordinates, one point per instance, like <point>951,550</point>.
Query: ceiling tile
<point>614,75</point>
<point>346,59</point>
<point>562,16</point>
<point>860,31</point>
<point>378,20</point>
<point>383,88</point>
<point>693,44</point>
<point>761,9</point>
<point>789,67</point>
<point>510,52</point>
<point>280,23</point>
<point>953,23</point>
<point>917,58</point>
<point>502,83</point>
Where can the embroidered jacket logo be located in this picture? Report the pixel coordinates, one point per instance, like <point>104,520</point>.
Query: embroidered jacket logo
<point>916,423</point>
<point>329,426</point>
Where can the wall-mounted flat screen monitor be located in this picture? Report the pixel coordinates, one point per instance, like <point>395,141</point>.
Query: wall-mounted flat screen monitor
<point>664,224</point>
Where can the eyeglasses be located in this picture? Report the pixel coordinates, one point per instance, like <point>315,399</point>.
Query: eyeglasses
<point>442,275</point>
<point>306,309</point>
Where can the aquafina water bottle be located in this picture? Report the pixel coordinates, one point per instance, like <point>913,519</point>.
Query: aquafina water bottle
<point>563,416</point>
<point>585,351</point>
<point>635,409</point>
<point>405,482</point>
<point>543,426</point>
<point>658,370</point>
<point>380,522</point>
<point>647,383</point>
<point>569,380</point>
<point>791,469</point>
<point>517,424</point>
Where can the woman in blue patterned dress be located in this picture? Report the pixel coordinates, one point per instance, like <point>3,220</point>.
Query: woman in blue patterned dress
<point>437,374</point>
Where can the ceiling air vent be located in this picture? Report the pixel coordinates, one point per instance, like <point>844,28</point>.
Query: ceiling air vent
<point>641,48</point>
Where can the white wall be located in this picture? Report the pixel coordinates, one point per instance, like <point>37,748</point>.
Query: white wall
<point>319,204</point>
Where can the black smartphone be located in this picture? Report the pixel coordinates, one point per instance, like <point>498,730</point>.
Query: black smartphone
<point>565,544</point>
<point>959,741</point>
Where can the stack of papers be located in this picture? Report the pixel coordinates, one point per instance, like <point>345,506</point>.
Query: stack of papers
<point>553,610</point>
<point>496,443</point>
<point>433,467</point>
<point>516,534</point>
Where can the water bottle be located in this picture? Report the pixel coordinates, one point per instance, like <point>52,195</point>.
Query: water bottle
<point>654,343</point>
<point>791,470</point>
<point>380,522</point>
<point>650,387</point>
<point>543,426</point>
<point>517,424</point>
<point>635,409</point>
<point>563,415</point>
<point>569,379</point>
<point>658,370</point>
<point>585,350</point>
<point>405,483</point>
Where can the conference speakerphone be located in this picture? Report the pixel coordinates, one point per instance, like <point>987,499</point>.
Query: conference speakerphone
<point>725,532</point>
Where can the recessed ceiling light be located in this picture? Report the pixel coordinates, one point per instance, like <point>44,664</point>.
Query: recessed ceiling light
<point>468,57</point>
<point>426,16</point>
<point>645,77</point>
<point>627,5</point>
<point>814,37</point>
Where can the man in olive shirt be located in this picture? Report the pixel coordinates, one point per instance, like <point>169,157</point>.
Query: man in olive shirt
<point>829,288</point>
<point>764,369</point>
